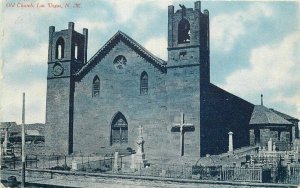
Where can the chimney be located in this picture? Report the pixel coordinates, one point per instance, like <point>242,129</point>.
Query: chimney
<point>262,99</point>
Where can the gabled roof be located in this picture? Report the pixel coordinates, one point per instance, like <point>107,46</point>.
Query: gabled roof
<point>285,116</point>
<point>113,41</point>
<point>5,125</point>
<point>261,115</point>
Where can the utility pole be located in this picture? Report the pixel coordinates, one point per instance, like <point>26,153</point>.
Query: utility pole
<point>23,142</point>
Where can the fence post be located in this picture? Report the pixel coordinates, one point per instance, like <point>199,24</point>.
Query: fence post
<point>261,173</point>
<point>82,162</point>
<point>121,161</point>
<point>36,161</point>
<point>140,170</point>
<point>111,163</point>
<point>65,160</point>
<point>57,162</point>
<point>14,161</point>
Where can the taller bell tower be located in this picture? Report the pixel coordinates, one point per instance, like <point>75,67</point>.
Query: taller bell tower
<point>188,69</point>
<point>188,38</point>
<point>67,53</point>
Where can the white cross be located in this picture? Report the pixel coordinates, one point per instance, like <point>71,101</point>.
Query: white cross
<point>141,131</point>
<point>182,127</point>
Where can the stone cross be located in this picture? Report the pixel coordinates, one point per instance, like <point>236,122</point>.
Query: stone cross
<point>182,127</point>
<point>141,131</point>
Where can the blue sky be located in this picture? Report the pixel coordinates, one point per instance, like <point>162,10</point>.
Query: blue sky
<point>255,46</point>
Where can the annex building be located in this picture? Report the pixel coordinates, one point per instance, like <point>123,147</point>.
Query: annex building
<point>98,104</point>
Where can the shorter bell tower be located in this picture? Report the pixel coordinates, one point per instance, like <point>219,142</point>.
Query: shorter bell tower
<point>67,53</point>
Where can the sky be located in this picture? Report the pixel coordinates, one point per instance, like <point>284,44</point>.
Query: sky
<point>255,46</point>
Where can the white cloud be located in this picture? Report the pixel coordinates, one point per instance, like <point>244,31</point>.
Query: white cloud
<point>125,9</point>
<point>1,69</point>
<point>11,101</point>
<point>91,25</point>
<point>274,69</point>
<point>226,29</point>
<point>157,46</point>
<point>28,57</point>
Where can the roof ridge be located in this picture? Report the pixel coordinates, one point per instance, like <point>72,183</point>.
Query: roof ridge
<point>157,61</point>
<point>143,48</point>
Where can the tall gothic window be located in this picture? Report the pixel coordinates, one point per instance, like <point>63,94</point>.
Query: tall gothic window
<point>60,48</point>
<point>183,31</point>
<point>144,83</point>
<point>76,51</point>
<point>96,86</point>
<point>119,129</point>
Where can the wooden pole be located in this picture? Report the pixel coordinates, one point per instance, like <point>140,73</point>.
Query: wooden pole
<point>0,159</point>
<point>181,134</point>
<point>23,143</point>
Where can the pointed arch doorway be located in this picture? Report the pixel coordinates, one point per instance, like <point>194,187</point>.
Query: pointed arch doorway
<point>119,129</point>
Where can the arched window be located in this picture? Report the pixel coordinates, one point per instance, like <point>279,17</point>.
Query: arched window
<point>183,31</point>
<point>96,86</point>
<point>76,51</point>
<point>119,129</point>
<point>144,83</point>
<point>60,48</point>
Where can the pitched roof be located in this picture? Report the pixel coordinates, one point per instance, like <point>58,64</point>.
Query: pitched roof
<point>14,127</point>
<point>120,36</point>
<point>4,125</point>
<point>261,115</point>
<point>285,116</point>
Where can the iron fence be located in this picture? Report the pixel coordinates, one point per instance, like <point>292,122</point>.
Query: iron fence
<point>273,173</point>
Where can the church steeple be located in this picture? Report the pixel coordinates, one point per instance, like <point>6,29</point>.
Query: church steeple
<point>66,55</point>
<point>188,38</point>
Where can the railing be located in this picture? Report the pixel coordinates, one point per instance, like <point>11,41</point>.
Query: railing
<point>241,174</point>
<point>272,173</point>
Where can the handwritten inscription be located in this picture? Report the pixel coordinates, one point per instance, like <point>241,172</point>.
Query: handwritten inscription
<point>49,5</point>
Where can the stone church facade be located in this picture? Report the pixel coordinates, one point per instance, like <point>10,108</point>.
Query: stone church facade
<point>98,104</point>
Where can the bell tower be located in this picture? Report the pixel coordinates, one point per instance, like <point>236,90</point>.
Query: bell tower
<point>67,53</point>
<point>188,38</point>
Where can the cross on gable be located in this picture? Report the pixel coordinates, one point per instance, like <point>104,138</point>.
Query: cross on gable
<point>182,127</point>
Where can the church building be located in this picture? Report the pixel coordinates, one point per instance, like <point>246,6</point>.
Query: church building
<point>99,104</point>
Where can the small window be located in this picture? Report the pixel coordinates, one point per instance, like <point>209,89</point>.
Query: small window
<point>144,83</point>
<point>96,86</point>
<point>76,51</point>
<point>182,54</point>
<point>183,31</point>
<point>120,62</point>
<point>60,47</point>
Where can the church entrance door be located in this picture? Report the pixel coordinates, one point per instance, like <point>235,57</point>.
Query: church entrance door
<point>119,129</point>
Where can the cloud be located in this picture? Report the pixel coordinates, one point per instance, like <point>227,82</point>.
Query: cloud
<point>91,25</point>
<point>11,101</point>
<point>1,69</point>
<point>27,57</point>
<point>125,9</point>
<point>273,69</point>
<point>157,46</point>
<point>226,29</point>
